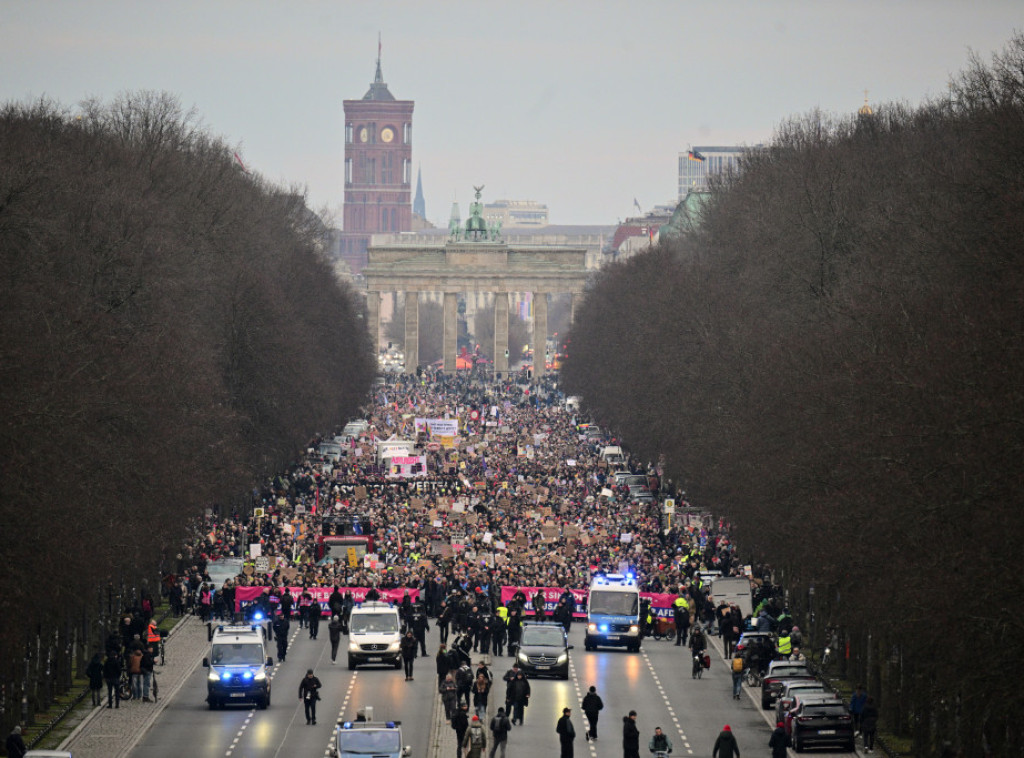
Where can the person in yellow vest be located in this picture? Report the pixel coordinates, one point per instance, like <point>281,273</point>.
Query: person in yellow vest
<point>784,647</point>
<point>153,638</point>
<point>681,616</point>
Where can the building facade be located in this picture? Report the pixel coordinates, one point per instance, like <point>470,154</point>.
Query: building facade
<point>517,214</point>
<point>378,169</point>
<point>696,165</point>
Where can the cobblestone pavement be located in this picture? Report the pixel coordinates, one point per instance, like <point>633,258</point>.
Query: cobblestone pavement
<point>112,732</point>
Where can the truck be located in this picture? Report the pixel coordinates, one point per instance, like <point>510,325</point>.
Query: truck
<point>613,612</point>
<point>733,590</point>
<point>340,532</point>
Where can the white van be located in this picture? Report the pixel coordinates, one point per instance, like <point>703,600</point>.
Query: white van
<point>238,665</point>
<point>374,635</point>
<point>612,454</point>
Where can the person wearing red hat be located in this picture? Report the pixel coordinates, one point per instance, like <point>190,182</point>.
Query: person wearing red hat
<point>725,745</point>
<point>475,741</point>
<point>779,741</point>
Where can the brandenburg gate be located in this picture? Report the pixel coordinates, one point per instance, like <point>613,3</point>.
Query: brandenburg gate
<point>474,259</point>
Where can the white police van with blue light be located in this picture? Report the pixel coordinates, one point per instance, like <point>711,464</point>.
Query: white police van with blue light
<point>381,739</point>
<point>613,612</point>
<point>374,635</point>
<point>238,665</point>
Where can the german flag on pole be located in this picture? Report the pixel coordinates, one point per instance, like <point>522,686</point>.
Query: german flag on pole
<point>693,155</point>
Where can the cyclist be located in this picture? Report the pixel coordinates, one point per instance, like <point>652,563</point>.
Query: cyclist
<point>659,743</point>
<point>697,646</point>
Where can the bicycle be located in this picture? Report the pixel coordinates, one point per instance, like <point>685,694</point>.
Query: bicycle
<point>698,665</point>
<point>124,686</point>
<point>752,676</point>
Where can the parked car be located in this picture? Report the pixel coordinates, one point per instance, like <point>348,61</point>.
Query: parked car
<point>778,672</point>
<point>801,701</point>
<point>822,725</point>
<point>791,689</point>
<point>747,638</point>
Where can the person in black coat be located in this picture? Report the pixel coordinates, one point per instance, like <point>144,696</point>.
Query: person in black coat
<point>15,745</point>
<point>592,704</point>
<point>112,676</point>
<point>779,741</point>
<point>309,693</point>
<point>630,736</point>
<point>95,673</point>
<point>566,733</point>
<point>460,723</point>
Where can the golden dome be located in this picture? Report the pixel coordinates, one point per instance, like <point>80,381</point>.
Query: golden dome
<point>865,110</point>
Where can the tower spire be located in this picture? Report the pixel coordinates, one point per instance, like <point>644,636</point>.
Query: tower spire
<point>379,77</point>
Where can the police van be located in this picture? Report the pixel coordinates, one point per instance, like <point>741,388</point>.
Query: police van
<point>613,612</point>
<point>381,739</point>
<point>238,665</point>
<point>374,635</point>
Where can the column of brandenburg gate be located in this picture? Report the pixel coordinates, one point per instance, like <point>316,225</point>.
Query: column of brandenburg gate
<point>474,259</point>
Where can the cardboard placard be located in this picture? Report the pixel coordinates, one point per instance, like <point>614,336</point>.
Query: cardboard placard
<point>360,493</point>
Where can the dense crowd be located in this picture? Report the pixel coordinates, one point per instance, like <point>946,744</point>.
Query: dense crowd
<point>522,498</point>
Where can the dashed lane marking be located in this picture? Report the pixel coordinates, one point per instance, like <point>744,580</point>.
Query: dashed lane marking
<point>679,729</point>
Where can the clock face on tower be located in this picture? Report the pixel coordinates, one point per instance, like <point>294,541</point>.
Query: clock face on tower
<point>363,135</point>
<point>387,134</point>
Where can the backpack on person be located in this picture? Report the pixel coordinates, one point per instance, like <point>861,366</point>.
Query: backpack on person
<point>500,726</point>
<point>737,665</point>
<point>476,737</point>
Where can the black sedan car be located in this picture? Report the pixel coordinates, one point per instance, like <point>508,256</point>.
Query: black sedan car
<point>544,650</point>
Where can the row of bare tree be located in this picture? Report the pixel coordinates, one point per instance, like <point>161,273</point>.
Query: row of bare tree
<point>834,361</point>
<point>169,334</point>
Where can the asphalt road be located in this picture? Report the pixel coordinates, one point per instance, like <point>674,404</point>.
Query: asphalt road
<point>656,683</point>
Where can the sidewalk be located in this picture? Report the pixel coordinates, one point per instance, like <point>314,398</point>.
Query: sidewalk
<point>113,732</point>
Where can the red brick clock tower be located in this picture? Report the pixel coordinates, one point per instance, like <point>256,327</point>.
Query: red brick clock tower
<point>378,168</point>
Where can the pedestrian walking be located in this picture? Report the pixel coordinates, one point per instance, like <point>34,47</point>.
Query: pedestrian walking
<point>737,677</point>
<point>500,727</point>
<point>725,745</point>
<point>112,676</point>
<point>95,673</point>
<point>481,689</point>
<point>135,672</point>
<point>630,736</point>
<point>441,663</point>
<point>408,647</point>
<point>779,741</point>
<point>857,702</point>
<point>309,693</point>
<point>334,633</point>
<point>147,665</point>
<point>460,723</point>
<point>475,741</point>
<point>520,696</point>
<point>449,696</point>
<point>280,627</point>
<point>15,745</point>
<point>566,733</point>
<point>592,706</point>
<point>314,619</point>
<point>869,724</point>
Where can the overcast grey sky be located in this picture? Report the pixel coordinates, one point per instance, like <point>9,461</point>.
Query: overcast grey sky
<point>580,105</point>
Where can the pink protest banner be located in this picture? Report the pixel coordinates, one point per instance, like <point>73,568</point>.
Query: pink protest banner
<point>661,602</point>
<point>245,596</point>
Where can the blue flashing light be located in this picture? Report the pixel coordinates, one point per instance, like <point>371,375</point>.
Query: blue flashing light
<point>247,675</point>
<point>604,627</point>
<point>390,724</point>
<point>258,615</point>
<point>347,725</point>
<point>225,677</point>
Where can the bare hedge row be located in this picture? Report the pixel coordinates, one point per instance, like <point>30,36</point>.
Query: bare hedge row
<point>834,360</point>
<point>169,333</point>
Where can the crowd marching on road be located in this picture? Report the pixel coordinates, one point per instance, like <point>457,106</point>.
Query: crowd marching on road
<point>520,498</point>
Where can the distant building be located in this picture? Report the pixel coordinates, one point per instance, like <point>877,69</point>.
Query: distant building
<point>517,214</point>
<point>697,164</point>
<point>378,169</point>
